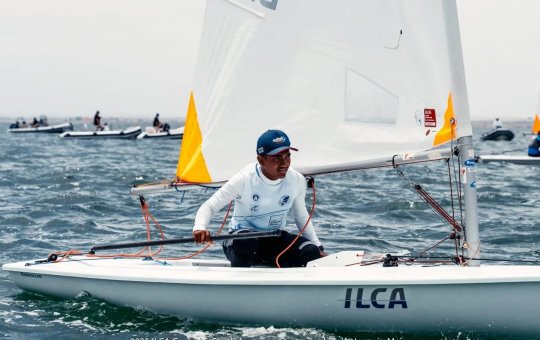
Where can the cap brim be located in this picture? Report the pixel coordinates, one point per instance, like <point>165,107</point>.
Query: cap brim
<point>278,150</point>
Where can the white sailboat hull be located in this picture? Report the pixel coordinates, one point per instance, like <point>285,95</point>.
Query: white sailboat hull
<point>516,159</point>
<point>495,299</point>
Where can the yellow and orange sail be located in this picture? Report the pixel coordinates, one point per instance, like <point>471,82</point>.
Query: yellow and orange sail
<point>191,165</point>
<point>448,131</point>
<point>536,124</point>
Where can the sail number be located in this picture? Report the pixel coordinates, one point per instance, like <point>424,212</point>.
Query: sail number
<point>375,298</point>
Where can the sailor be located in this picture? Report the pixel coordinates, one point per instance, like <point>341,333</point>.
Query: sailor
<point>157,123</point>
<point>35,123</point>
<point>497,123</point>
<point>263,193</point>
<point>534,147</point>
<point>97,122</point>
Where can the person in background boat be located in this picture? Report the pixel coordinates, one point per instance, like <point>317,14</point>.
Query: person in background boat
<point>24,125</point>
<point>157,124</point>
<point>35,123</point>
<point>497,123</point>
<point>106,127</point>
<point>263,193</point>
<point>97,122</point>
<point>534,148</point>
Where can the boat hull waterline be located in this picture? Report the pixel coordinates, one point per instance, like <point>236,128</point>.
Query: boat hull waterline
<point>405,298</point>
<point>129,133</point>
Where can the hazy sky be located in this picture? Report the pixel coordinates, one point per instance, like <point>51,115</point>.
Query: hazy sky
<point>137,57</point>
<point>501,47</point>
<point>122,57</point>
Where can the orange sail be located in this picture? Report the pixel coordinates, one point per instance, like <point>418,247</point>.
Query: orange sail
<point>447,133</point>
<point>191,165</point>
<point>536,124</point>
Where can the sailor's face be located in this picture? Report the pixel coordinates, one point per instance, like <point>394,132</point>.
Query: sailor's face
<point>275,166</point>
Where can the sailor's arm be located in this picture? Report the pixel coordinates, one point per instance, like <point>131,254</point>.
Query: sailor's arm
<point>219,199</point>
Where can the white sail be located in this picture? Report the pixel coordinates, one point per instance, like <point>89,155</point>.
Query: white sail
<point>348,80</point>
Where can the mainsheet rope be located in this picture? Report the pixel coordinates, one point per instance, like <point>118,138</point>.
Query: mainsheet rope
<point>311,182</point>
<point>62,255</point>
<point>147,216</point>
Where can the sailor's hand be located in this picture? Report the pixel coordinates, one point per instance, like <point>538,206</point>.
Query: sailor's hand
<point>201,236</point>
<point>321,251</point>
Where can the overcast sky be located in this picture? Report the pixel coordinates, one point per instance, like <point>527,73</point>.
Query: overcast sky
<point>134,58</point>
<point>122,57</point>
<point>501,47</point>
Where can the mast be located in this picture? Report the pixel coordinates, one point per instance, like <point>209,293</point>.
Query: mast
<point>468,179</point>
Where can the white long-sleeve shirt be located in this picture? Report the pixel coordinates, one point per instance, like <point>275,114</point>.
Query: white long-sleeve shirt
<point>261,204</point>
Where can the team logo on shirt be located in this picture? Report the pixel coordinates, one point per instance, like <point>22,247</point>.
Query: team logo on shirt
<point>255,197</point>
<point>284,200</point>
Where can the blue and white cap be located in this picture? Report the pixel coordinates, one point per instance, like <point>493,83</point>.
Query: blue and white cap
<point>273,142</point>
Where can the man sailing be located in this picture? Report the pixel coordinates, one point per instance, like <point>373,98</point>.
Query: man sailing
<point>263,193</point>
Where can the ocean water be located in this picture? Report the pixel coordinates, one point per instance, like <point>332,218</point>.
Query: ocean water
<point>73,194</point>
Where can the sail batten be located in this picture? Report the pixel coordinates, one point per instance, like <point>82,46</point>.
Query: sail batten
<point>350,81</point>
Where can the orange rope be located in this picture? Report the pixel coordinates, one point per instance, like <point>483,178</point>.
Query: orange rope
<point>147,216</point>
<point>303,228</point>
<point>65,254</point>
<point>207,245</point>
